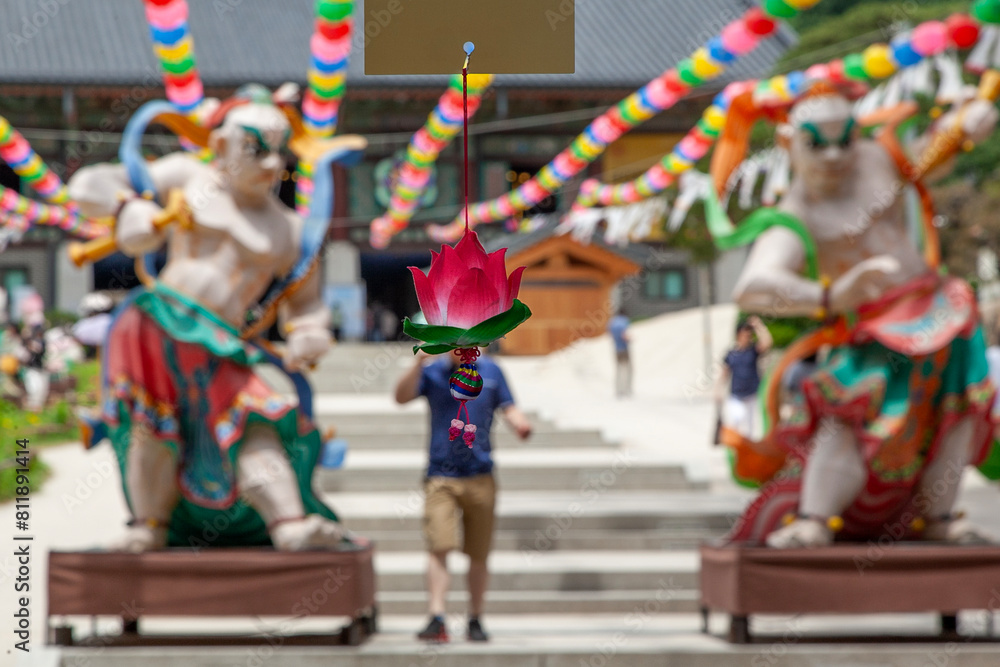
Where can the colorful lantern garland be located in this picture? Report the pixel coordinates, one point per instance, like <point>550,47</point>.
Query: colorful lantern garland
<point>330,47</point>
<point>878,61</point>
<point>18,212</point>
<point>441,127</point>
<point>736,39</point>
<point>18,154</point>
<point>662,175</point>
<point>21,212</point>
<point>168,26</point>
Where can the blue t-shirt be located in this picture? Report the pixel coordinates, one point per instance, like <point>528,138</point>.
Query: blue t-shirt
<point>743,365</point>
<point>617,327</point>
<point>453,458</point>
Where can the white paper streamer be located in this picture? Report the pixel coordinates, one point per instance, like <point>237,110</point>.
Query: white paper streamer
<point>749,171</point>
<point>981,56</point>
<point>923,78</point>
<point>581,224</point>
<point>950,85</point>
<point>694,185</point>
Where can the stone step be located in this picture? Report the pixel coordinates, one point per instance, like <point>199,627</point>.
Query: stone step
<point>555,514</point>
<point>542,572</point>
<point>359,370</point>
<point>543,602</point>
<point>398,420</point>
<point>644,635</point>
<point>516,469</point>
<point>359,478</point>
<point>499,439</point>
<point>558,540</point>
<point>712,524</point>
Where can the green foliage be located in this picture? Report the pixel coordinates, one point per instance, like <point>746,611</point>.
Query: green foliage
<point>60,318</point>
<point>54,425</point>
<point>981,162</point>
<point>61,413</point>
<point>37,471</point>
<point>88,377</point>
<point>836,28</point>
<point>785,330</point>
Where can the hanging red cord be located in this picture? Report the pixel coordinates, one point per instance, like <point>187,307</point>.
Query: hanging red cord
<point>465,383</point>
<point>469,47</point>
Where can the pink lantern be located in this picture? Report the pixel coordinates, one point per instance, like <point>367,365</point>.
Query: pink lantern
<point>737,38</point>
<point>930,38</point>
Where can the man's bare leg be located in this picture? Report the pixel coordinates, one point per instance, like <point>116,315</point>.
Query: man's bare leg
<point>151,473</point>
<point>938,488</point>
<point>268,483</point>
<point>438,582</point>
<point>479,577</point>
<point>834,476</point>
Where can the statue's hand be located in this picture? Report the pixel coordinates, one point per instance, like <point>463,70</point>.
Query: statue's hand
<point>305,346</point>
<point>135,230</point>
<point>865,281</point>
<point>979,119</point>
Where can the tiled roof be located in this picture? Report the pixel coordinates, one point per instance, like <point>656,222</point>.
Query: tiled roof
<point>619,43</point>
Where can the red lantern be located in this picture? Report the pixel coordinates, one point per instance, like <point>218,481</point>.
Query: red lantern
<point>758,22</point>
<point>836,70</point>
<point>962,30</point>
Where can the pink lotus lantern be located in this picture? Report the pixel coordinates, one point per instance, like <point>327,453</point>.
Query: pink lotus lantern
<point>469,301</point>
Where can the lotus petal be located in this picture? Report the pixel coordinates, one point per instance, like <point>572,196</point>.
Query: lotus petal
<point>513,285</point>
<point>444,275</point>
<point>473,300</point>
<point>472,251</point>
<point>496,272</point>
<point>426,297</point>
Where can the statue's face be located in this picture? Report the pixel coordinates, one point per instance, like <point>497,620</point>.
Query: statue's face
<point>255,135</point>
<point>823,138</point>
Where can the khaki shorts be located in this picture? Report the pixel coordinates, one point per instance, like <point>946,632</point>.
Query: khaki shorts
<point>475,498</point>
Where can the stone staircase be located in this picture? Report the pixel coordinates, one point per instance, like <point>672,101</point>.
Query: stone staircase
<point>584,526</point>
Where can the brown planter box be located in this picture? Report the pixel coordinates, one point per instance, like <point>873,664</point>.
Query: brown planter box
<point>214,582</point>
<point>848,579</point>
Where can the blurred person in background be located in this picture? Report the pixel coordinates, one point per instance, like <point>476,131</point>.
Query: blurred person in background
<point>11,354</point>
<point>336,321</point>
<point>459,483</point>
<point>388,324</point>
<point>618,328</point>
<point>36,377</point>
<point>741,373</point>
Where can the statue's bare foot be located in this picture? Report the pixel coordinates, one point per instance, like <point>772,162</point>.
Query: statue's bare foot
<point>956,531</point>
<point>801,533</point>
<point>142,538</point>
<point>311,532</point>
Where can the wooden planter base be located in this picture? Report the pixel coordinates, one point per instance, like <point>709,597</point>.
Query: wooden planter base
<point>896,577</point>
<point>214,582</point>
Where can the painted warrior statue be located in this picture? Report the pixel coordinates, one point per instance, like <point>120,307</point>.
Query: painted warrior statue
<point>209,453</point>
<point>901,403</point>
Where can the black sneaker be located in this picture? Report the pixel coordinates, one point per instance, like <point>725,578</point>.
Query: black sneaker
<point>436,631</point>
<point>476,632</point>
